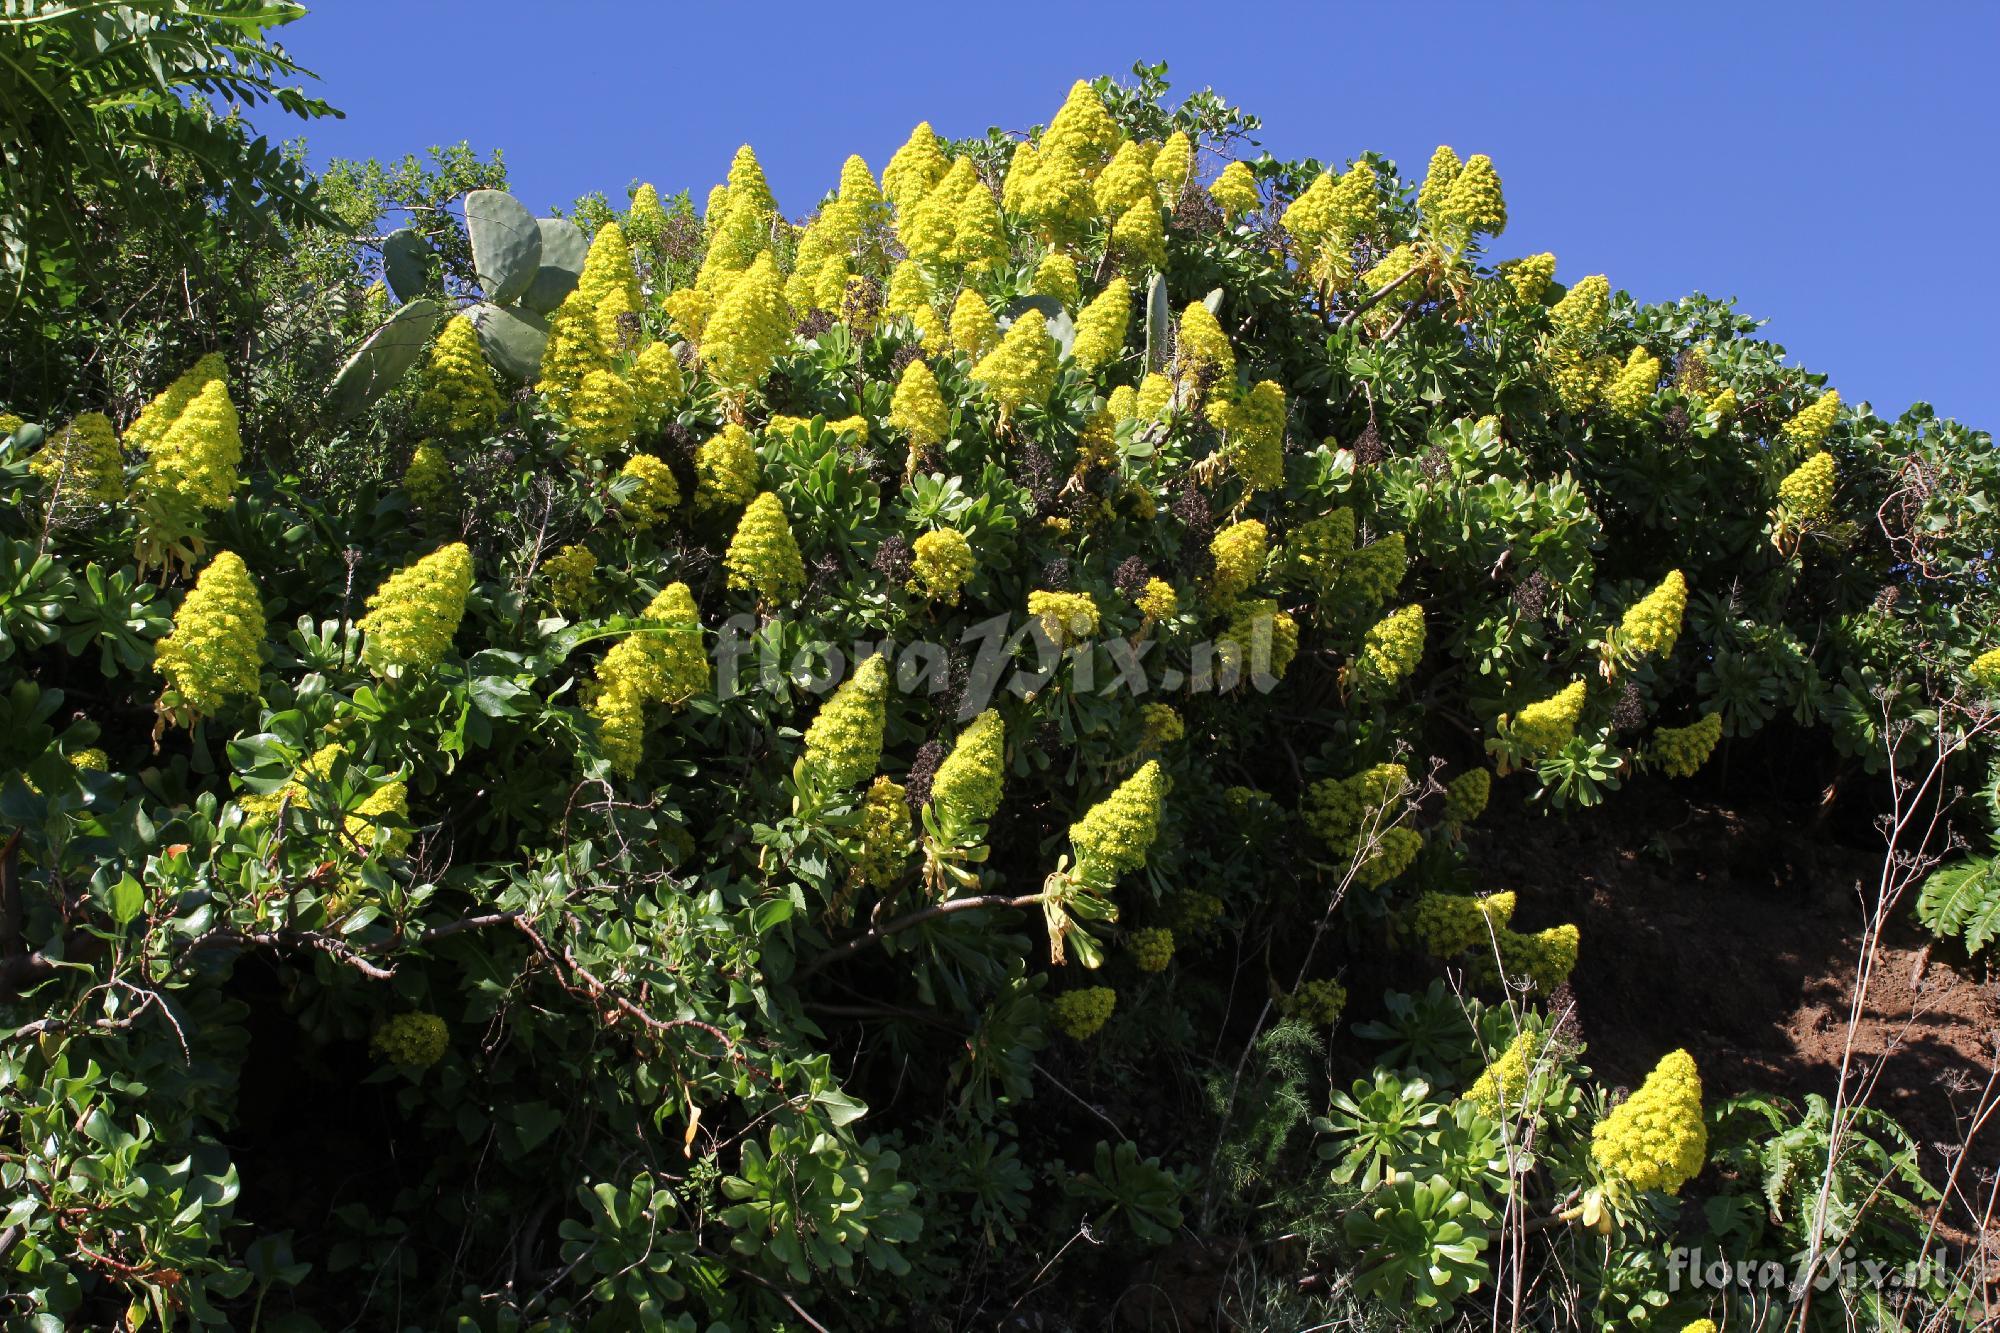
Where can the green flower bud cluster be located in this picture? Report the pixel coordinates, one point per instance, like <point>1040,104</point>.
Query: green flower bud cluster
<point>1152,948</point>
<point>1259,639</point>
<point>1081,1013</point>
<point>569,573</point>
<point>1465,796</point>
<point>414,1041</point>
<point>1344,813</point>
<point>1319,1002</point>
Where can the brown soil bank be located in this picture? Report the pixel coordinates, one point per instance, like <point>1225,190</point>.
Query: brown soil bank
<point>1734,933</point>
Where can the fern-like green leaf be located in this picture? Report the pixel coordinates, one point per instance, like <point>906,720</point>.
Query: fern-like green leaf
<point>1963,900</point>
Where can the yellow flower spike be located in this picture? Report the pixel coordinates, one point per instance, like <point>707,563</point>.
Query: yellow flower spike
<point>763,557</point>
<point>1393,646</point>
<point>82,462</point>
<point>748,329</point>
<point>1681,751</point>
<point>1809,428</point>
<point>1984,673</point>
<point>193,467</point>
<point>1101,326</point>
<point>1433,199</point>
<point>429,480</point>
<point>917,408</point>
<point>570,572</point>
<point>1656,1139</point>
<point>747,183</point>
<point>459,395</point>
<point>1530,277</point>
<point>1239,552</point>
<point>413,1041</point>
<point>213,655</point>
<point>1475,202</point>
<point>1080,1014</point>
<point>150,427</point>
<point>1501,1090</point>
<point>1056,277</point>
<point>1583,310</point>
<point>1158,600</point>
<point>657,495</point>
<point>1465,796</point>
<point>974,331</point>
<point>1068,618</point>
<point>1021,371</point>
<point>966,788</point>
<point>1631,389</point>
<point>1319,1002</point>
<point>726,469</point>
<point>1652,625</point>
<point>1235,191</point>
<point>1448,924</point>
<point>1174,164</point>
<point>843,744</point>
<point>1139,237</point>
<point>658,384</point>
<point>609,284</point>
<point>857,187</point>
<point>1259,640</point>
<point>917,166</point>
<point>604,415</point>
<point>1805,496</point>
<point>1114,835</point>
<point>573,351</point>
<point>1253,429</point>
<point>942,561</point>
<point>1204,353</point>
<point>412,617</point>
<point>1125,183</point>
<point>885,835</point>
<point>1551,723</point>
<point>1083,128</point>
<point>1152,949</point>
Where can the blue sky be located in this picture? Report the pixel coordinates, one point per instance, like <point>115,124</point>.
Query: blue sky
<point>1830,165</point>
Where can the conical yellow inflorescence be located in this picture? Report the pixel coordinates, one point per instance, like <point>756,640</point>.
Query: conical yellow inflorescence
<point>1656,1139</point>
<point>1113,837</point>
<point>844,743</point>
<point>458,395</point>
<point>763,557</point>
<point>212,656</point>
<point>414,614</point>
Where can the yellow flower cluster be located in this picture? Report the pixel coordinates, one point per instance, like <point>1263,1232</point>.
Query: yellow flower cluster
<point>1154,399</point>
<point>1173,164</point>
<point>1805,496</point>
<point>1235,190</point>
<point>1583,310</point>
<point>1253,431</point>
<point>1321,553</point>
<point>1204,354</point>
<point>212,655</point>
<point>1056,278</point>
<point>966,787</point>
<point>1465,796</point>
<point>571,351</point>
<point>1021,371</point>
<point>193,466</point>
<point>1068,618</point>
<point>914,168</point>
<point>458,394</point>
<point>1239,551</point>
<point>1101,326</point>
<point>844,743</point>
<point>1550,723</point>
<point>150,427</point>
<point>570,572</point>
<point>1447,924</point>
<point>1681,751</point>
<point>1631,389</point>
<point>763,556</point>
<point>429,480</point>
<point>609,285</point>
<point>918,409</point>
<point>1652,625</point>
<point>1656,1139</point>
<point>1324,220</point>
<point>885,834</point>
<point>1809,428</point>
<point>1319,1002</point>
<point>1081,1013</point>
<point>1158,601</point>
<point>382,813</point>
<point>603,415</point>
<point>1501,1089</point>
<point>414,614</point>
<point>655,495</point>
<point>1152,948</point>
<point>415,1041</point>
<point>1984,672</point>
<point>1344,813</point>
<point>1258,640</point>
<point>749,328</point>
<point>82,463</point>
<point>1114,835</point>
<point>1159,725</point>
<point>1545,959</point>
<point>657,384</point>
<point>1392,647</point>
<point>666,665</point>
<point>942,561</point>
<point>726,470</point>
<point>973,330</point>
<point>1530,277</point>
<point>1401,266</point>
